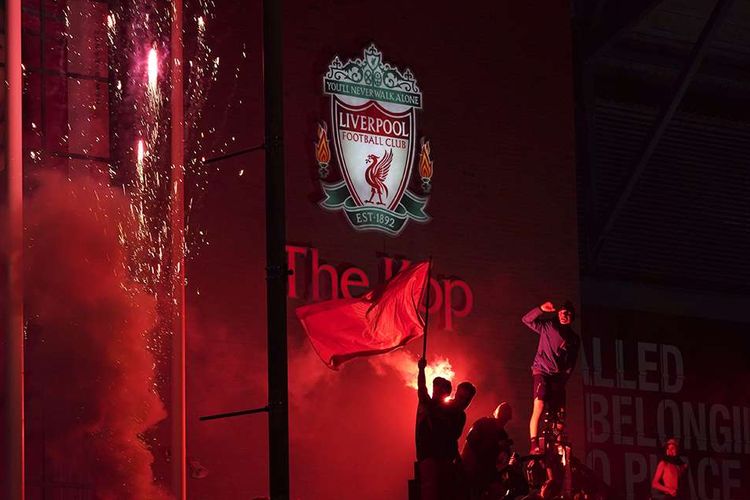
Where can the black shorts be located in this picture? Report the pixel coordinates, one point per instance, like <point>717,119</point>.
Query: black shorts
<point>550,389</point>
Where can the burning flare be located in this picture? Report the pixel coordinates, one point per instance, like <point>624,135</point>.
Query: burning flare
<point>322,151</point>
<point>440,367</point>
<point>405,363</point>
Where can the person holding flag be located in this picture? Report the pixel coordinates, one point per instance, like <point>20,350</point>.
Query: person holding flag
<point>434,455</point>
<point>380,321</point>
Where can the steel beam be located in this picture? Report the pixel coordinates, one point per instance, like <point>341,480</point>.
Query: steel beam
<point>276,277</point>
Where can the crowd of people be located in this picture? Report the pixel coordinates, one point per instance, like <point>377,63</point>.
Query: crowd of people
<point>484,468</point>
<point>487,468</point>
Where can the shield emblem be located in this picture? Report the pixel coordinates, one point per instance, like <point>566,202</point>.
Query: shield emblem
<point>375,149</point>
<point>373,118</point>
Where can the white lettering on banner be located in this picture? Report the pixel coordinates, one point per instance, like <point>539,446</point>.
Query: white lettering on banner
<point>694,427</point>
<point>620,417</point>
<point>636,471</point>
<point>644,366</point>
<point>702,472</point>
<point>622,382</point>
<point>725,445</point>
<point>640,426</point>
<point>585,371</point>
<point>671,352</point>
<point>660,367</point>
<point>597,418</point>
<point>707,479</point>
<point>729,482</point>
<point>696,424</point>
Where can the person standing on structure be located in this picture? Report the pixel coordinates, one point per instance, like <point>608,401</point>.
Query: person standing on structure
<point>555,359</point>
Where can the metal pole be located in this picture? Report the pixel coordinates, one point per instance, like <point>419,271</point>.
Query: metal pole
<point>276,279</point>
<point>177,219</point>
<point>14,348</point>
<point>428,288</point>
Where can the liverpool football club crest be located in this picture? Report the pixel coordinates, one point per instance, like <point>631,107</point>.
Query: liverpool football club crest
<point>374,143</point>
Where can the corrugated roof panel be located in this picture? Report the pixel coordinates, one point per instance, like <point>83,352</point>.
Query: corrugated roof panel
<point>695,191</point>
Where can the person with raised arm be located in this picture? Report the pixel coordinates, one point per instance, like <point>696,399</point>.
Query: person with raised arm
<point>555,359</point>
<point>434,458</point>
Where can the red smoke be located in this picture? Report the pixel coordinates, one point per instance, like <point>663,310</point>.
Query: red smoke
<point>89,370</point>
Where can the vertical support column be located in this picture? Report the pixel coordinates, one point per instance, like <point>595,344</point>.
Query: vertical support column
<point>278,390</point>
<point>177,219</point>
<point>14,331</point>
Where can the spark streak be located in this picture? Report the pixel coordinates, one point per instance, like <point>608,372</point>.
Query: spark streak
<point>153,70</point>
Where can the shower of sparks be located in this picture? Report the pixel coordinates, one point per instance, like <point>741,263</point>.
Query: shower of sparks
<point>202,71</point>
<point>153,69</point>
<point>139,144</point>
<point>111,28</point>
<point>138,34</point>
<point>152,87</point>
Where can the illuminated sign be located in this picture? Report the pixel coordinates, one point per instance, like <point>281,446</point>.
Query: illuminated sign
<point>373,123</point>
<point>310,278</point>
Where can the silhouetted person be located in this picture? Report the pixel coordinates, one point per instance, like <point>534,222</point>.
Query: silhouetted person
<point>465,392</point>
<point>487,448</point>
<point>666,482</point>
<point>555,358</point>
<point>434,457</point>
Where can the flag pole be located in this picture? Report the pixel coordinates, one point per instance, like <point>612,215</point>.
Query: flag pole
<point>276,275</point>
<point>426,308</point>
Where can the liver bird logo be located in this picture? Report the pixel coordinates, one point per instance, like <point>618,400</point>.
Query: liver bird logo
<point>376,174</point>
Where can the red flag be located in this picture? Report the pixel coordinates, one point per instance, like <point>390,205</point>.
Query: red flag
<point>378,322</point>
